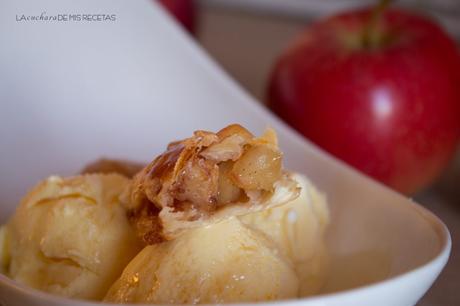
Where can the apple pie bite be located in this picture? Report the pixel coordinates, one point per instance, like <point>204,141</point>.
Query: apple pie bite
<point>205,179</point>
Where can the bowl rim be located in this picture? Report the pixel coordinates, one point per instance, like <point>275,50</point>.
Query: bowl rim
<point>436,264</point>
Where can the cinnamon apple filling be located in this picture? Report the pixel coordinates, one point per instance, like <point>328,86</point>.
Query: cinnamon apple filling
<point>205,179</point>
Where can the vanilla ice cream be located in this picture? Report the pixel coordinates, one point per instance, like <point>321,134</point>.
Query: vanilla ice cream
<point>297,228</point>
<point>220,263</point>
<point>223,222</point>
<point>70,236</point>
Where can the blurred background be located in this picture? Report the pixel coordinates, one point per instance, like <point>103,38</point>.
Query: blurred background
<point>246,37</point>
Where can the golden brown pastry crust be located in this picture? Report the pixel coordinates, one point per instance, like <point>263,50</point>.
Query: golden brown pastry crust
<point>205,179</point>
<point>105,165</point>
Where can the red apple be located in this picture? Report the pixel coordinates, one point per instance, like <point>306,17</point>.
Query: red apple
<point>385,100</point>
<point>183,10</point>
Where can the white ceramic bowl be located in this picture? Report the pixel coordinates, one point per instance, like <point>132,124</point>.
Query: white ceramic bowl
<point>72,92</point>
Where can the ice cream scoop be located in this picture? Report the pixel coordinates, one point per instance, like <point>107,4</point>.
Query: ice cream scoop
<point>221,263</point>
<point>70,236</point>
<point>297,228</point>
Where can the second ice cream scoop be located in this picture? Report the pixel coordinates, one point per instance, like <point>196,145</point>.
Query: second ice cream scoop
<point>221,263</point>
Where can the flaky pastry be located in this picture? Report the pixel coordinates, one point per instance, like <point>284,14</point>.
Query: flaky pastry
<point>205,179</point>
<point>105,165</point>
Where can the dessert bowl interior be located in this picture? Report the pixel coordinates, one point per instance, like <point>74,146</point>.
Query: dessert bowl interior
<point>73,92</point>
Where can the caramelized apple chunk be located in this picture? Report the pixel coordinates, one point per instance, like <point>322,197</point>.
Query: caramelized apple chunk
<point>205,179</point>
<point>227,191</point>
<point>258,168</point>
